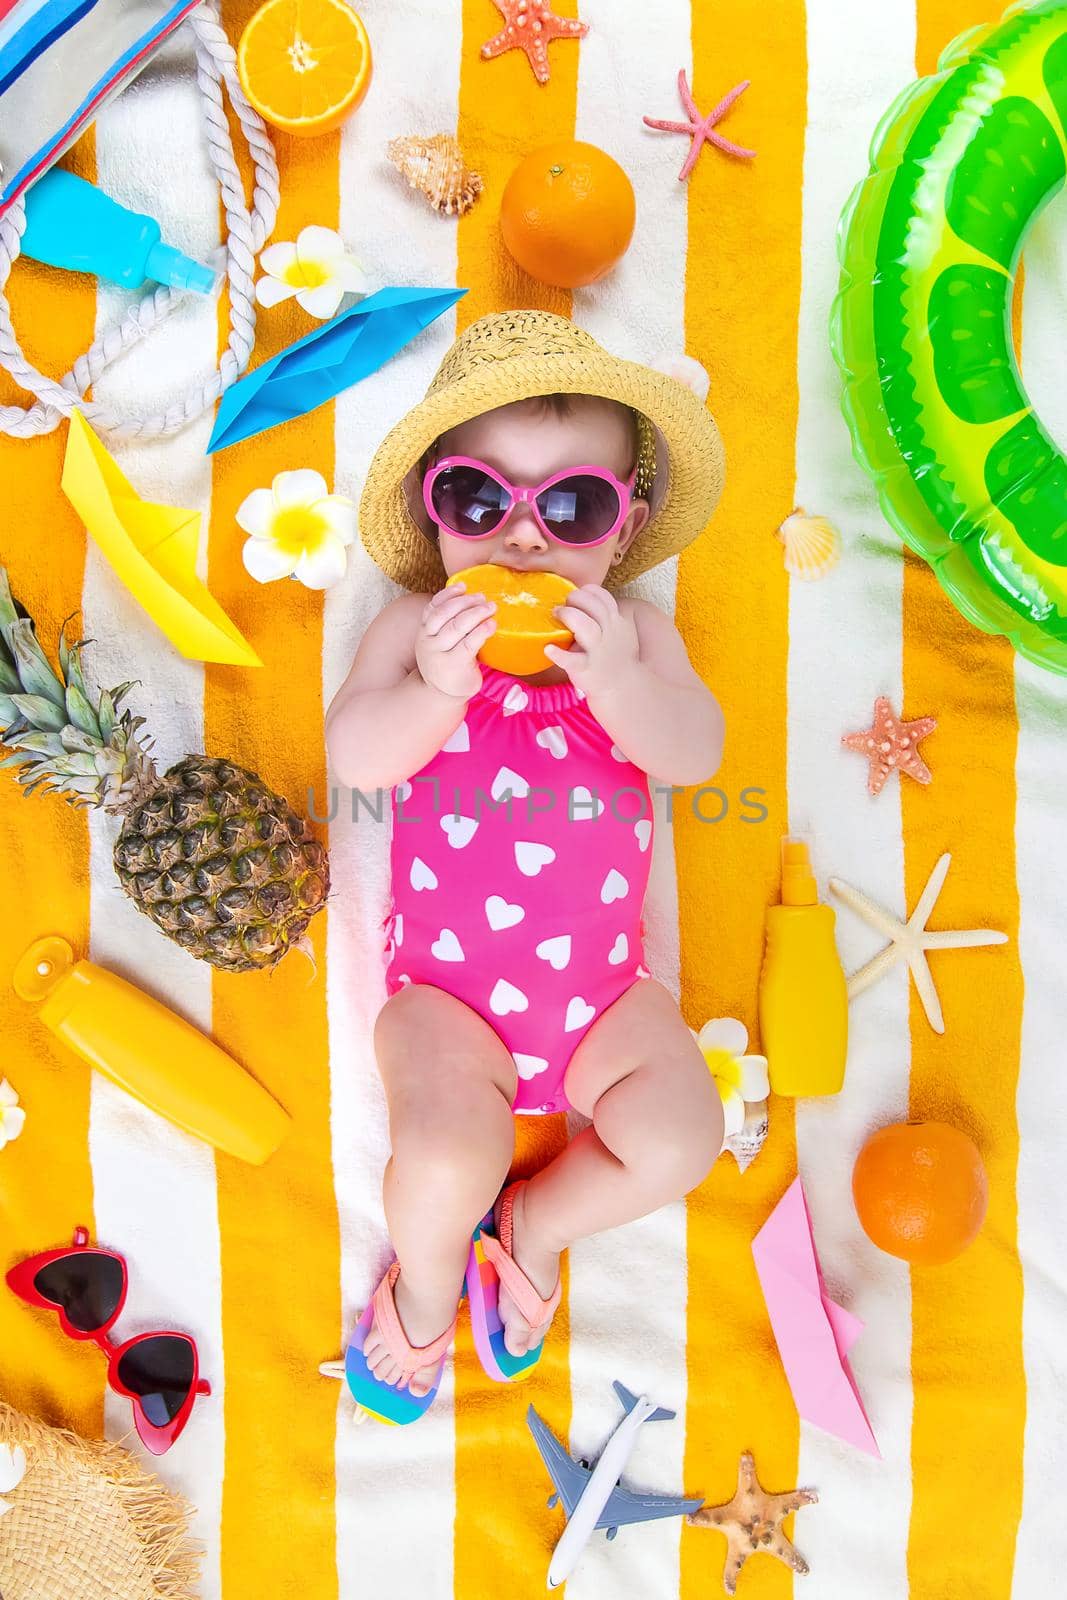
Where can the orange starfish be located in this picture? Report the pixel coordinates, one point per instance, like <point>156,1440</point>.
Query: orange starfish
<point>752,1521</point>
<point>891,743</point>
<point>531,25</point>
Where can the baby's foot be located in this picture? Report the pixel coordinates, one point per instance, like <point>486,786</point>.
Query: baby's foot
<point>540,1265</point>
<point>423,1320</point>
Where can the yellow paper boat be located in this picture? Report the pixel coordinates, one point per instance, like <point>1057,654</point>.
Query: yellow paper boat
<point>152,549</point>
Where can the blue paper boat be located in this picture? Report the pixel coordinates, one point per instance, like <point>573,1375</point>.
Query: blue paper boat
<point>331,358</point>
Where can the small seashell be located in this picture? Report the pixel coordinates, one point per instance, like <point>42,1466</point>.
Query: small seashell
<point>746,1145</point>
<point>686,369</point>
<point>435,167</point>
<point>812,545</point>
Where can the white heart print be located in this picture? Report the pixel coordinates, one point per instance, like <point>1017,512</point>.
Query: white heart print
<point>531,857</point>
<point>505,997</point>
<point>398,928</point>
<point>619,950</point>
<point>643,832</point>
<point>499,914</point>
<point>460,830</point>
<point>459,742</point>
<point>404,791</point>
<point>505,780</point>
<point>529,1066</point>
<point>617,753</point>
<point>446,947</point>
<point>583,807</point>
<point>557,951</point>
<point>614,887</point>
<point>578,1014</point>
<point>421,876</point>
<point>554,740</point>
<point>516,699</point>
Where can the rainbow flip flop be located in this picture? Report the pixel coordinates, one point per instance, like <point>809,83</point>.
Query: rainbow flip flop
<point>392,1402</point>
<point>489,1265</point>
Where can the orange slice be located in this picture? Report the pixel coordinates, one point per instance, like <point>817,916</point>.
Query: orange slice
<point>305,64</point>
<point>523,616</point>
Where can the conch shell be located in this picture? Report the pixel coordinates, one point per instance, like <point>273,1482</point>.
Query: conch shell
<point>812,545</point>
<point>436,168</point>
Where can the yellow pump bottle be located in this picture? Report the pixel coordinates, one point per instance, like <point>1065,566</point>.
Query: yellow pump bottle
<point>803,997</point>
<point>149,1051</point>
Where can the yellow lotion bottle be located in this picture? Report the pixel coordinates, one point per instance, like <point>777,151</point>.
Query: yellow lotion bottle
<point>149,1051</point>
<point>803,997</point>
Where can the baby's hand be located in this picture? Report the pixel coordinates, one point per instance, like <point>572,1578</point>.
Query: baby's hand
<point>607,640</point>
<point>453,628</point>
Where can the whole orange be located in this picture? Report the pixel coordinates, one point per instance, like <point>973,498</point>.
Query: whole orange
<point>921,1191</point>
<point>567,213</point>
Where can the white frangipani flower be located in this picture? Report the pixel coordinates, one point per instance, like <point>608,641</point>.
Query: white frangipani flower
<point>12,1116</point>
<point>297,529</point>
<point>738,1077</point>
<point>316,269</point>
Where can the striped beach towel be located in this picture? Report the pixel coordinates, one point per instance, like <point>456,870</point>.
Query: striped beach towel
<point>961,1368</point>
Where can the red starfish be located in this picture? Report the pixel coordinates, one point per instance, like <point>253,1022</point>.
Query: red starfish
<point>891,743</point>
<point>702,128</point>
<point>531,26</point>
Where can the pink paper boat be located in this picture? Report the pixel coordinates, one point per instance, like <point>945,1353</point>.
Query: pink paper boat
<point>813,1334</point>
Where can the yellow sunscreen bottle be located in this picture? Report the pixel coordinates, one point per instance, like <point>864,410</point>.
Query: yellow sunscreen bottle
<point>803,998</point>
<point>149,1051</point>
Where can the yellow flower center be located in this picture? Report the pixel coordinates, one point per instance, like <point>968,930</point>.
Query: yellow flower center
<point>298,528</point>
<point>304,274</point>
<point>724,1068</point>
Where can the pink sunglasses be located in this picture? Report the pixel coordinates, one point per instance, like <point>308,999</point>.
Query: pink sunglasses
<point>580,506</point>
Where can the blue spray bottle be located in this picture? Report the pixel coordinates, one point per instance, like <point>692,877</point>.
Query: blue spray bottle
<point>73,224</point>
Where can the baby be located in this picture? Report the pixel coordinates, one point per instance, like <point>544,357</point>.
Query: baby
<point>522,824</point>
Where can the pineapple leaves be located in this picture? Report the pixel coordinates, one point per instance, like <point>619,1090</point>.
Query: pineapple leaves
<point>79,711</point>
<point>40,712</point>
<point>31,662</point>
<point>8,614</point>
<point>41,744</point>
<point>106,716</point>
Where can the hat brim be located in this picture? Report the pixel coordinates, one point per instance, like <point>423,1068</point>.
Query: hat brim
<point>689,451</point>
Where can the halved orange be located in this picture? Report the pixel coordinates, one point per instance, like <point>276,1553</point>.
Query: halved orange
<point>305,64</point>
<point>523,616</point>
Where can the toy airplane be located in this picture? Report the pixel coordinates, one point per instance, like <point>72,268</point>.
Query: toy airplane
<point>593,1498</point>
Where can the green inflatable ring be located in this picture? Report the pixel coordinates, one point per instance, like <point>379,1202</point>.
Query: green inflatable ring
<point>929,245</point>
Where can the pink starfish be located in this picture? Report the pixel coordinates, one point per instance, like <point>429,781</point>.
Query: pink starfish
<point>700,128</point>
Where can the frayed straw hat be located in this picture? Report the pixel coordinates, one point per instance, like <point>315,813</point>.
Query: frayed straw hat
<point>514,355</point>
<point>88,1522</point>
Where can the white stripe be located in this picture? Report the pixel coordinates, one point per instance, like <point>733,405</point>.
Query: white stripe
<point>1041,868</point>
<point>382,1472</point>
<point>154,1186</point>
<point>628,1285</point>
<point>845,649</point>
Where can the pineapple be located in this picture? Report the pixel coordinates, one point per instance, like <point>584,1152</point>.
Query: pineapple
<point>221,864</point>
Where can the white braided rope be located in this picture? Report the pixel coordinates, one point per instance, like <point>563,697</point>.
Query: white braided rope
<point>216,64</point>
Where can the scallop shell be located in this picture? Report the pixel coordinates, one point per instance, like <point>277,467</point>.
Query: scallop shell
<point>436,168</point>
<point>812,545</point>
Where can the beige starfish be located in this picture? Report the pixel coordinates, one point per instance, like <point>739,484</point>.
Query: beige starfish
<point>910,941</point>
<point>752,1522</point>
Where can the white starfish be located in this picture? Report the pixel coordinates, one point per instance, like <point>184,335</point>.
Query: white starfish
<point>909,941</point>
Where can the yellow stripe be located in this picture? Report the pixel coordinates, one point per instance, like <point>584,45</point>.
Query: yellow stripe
<point>503,1526</point>
<point>967,1365</point>
<point>281,1312</point>
<point>503,114</point>
<point>732,610</point>
<point>45,1177</point>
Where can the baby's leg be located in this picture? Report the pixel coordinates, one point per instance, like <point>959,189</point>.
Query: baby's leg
<point>449,1083</point>
<point>657,1129</point>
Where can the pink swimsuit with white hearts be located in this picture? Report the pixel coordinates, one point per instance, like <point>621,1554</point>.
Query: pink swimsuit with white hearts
<point>528,910</point>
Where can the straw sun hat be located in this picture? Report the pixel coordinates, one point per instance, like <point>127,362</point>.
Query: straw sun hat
<point>514,355</point>
<point>84,1520</point>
